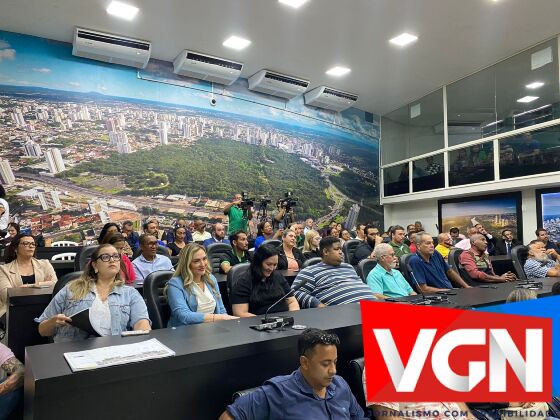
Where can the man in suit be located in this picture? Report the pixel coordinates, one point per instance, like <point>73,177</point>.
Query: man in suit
<point>506,244</point>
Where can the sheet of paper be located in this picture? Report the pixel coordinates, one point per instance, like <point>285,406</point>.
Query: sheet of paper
<point>117,355</point>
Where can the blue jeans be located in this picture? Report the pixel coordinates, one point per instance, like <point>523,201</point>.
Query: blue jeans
<point>9,401</point>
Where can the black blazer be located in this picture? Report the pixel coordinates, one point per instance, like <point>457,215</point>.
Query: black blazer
<point>283,261</point>
<point>500,248</point>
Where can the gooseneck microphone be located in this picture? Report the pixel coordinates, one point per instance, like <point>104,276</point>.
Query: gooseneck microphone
<point>418,285</point>
<point>299,286</point>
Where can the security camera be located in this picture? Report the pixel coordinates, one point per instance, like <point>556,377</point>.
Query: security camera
<point>213,101</point>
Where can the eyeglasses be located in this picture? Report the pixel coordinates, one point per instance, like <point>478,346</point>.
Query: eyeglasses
<point>107,257</point>
<point>28,244</point>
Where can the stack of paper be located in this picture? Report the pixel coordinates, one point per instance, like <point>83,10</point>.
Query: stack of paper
<point>117,355</point>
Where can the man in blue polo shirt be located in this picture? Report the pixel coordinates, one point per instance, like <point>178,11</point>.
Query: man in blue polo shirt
<point>430,269</point>
<point>313,391</point>
<point>384,280</point>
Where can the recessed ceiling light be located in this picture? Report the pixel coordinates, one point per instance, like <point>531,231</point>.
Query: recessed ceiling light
<point>296,4</point>
<point>236,42</point>
<point>338,71</point>
<point>122,10</point>
<point>403,39</point>
<point>527,99</point>
<point>534,85</point>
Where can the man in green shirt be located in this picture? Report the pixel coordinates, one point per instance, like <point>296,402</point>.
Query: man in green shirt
<point>397,241</point>
<point>238,218</point>
<point>384,280</point>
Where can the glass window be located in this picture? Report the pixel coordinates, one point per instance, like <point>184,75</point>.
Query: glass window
<point>527,91</point>
<point>536,152</point>
<point>427,173</point>
<point>414,129</point>
<point>395,180</point>
<point>471,164</point>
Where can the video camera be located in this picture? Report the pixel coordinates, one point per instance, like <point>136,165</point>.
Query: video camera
<point>288,201</point>
<point>246,201</point>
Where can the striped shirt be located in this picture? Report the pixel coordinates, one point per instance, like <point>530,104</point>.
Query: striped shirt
<point>331,285</point>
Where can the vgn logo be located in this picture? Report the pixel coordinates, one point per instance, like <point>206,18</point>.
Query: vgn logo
<point>422,354</point>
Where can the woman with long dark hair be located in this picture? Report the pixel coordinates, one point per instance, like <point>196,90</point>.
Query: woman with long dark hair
<point>179,242</point>
<point>108,229</point>
<point>260,286</point>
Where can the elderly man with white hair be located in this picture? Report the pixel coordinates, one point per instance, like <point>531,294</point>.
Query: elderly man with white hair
<point>539,264</point>
<point>384,280</point>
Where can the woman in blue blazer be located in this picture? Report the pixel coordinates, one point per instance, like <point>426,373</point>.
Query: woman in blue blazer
<point>193,293</point>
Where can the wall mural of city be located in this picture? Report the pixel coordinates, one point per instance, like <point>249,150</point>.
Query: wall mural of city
<point>84,143</point>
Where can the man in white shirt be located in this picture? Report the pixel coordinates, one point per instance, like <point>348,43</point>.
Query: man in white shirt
<point>200,234</point>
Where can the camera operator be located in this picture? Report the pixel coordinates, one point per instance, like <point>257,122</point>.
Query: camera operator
<point>284,215</point>
<point>239,212</point>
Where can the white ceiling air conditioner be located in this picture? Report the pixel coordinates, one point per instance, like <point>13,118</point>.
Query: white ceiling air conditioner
<point>329,98</point>
<point>111,48</point>
<point>206,67</point>
<point>277,84</point>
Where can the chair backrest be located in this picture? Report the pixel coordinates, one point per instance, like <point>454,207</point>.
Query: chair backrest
<point>364,267</point>
<point>162,250</point>
<point>64,280</point>
<point>404,267</point>
<point>64,256</point>
<point>355,381</point>
<point>519,256</point>
<point>84,256</point>
<point>234,274</point>
<point>273,242</point>
<point>65,243</point>
<point>215,253</point>
<point>311,261</point>
<point>456,265</point>
<point>238,394</point>
<point>156,300</point>
<point>349,248</point>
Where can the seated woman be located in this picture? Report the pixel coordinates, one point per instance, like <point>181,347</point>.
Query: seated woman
<point>119,242</point>
<point>193,293</point>
<point>289,257</point>
<point>13,230</point>
<point>179,235</point>
<point>311,245</point>
<point>260,286</point>
<point>108,229</point>
<point>266,232</point>
<point>22,269</point>
<point>113,307</point>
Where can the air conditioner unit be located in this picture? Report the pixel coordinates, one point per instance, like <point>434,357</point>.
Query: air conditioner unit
<point>277,84</point>
<point>206,67</point>
<point>329,98</point>
<point>111,48</point>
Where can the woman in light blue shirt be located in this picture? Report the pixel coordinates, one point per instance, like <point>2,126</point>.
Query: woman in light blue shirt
<point>113,307</point>
<point>193,293</point>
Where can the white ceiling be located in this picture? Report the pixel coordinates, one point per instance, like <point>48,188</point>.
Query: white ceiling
<point>456,37</point>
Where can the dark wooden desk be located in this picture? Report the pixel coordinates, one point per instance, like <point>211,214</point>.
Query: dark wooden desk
<point>212,362</point>
<point>24,305</point>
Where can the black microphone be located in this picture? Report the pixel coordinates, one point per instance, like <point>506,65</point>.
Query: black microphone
<point>299,286</point>
<point>418,285</point>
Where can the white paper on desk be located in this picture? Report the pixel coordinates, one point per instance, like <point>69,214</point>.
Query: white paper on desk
<point>117,355</point>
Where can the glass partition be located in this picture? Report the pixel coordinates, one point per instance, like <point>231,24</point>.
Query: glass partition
<point>472,164</point>
<point>536,152</point>
<point>414,129</point>
<point>395,180</point>
<point>427,173</point>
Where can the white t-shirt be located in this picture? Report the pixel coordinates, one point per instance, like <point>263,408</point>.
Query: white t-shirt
<point>100,316</point>
<point>5,218</point>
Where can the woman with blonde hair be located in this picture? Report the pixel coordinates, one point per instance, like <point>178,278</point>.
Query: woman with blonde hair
<point>113,307</point>
<point>193,293</point>
<point>311,245</point>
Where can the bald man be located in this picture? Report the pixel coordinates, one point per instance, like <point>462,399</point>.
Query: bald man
<point>218,236</point>
<point>444,245</point>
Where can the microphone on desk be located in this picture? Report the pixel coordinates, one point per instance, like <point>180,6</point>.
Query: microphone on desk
<point>418,285</point>
<point>295,289</point>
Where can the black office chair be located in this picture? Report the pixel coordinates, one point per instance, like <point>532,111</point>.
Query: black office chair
<point>64,280</point>
<point>274,242</point>
<point>364,267</point>
<point>519,256</point>
<point>456,265</point>
<point>238,394</point>
<point>349,248</point>
<point>311,261</point>
<point>162,250</point>
<point>156,300</point>
<point>404,267</point>
<point>83,256</point>
<point>453,258</point>
<point>233,274</point>
<point>355,381</point>
<point>215,253</point>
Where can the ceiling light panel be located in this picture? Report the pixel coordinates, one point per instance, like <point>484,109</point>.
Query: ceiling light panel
<point>296,4</point>
<point>236,42</point>
<point>122,10</point>
<point>403,39</point>
<point>527,99</point>
<point>534,85</point>
<point>338,71</point>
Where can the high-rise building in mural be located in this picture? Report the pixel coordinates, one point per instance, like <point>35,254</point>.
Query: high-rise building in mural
<point>49,200</point>
<point>352,217</point>
<point>32,149</point>
<point>6,174</point>
<point>163,133</point>
<point>55,161</point>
